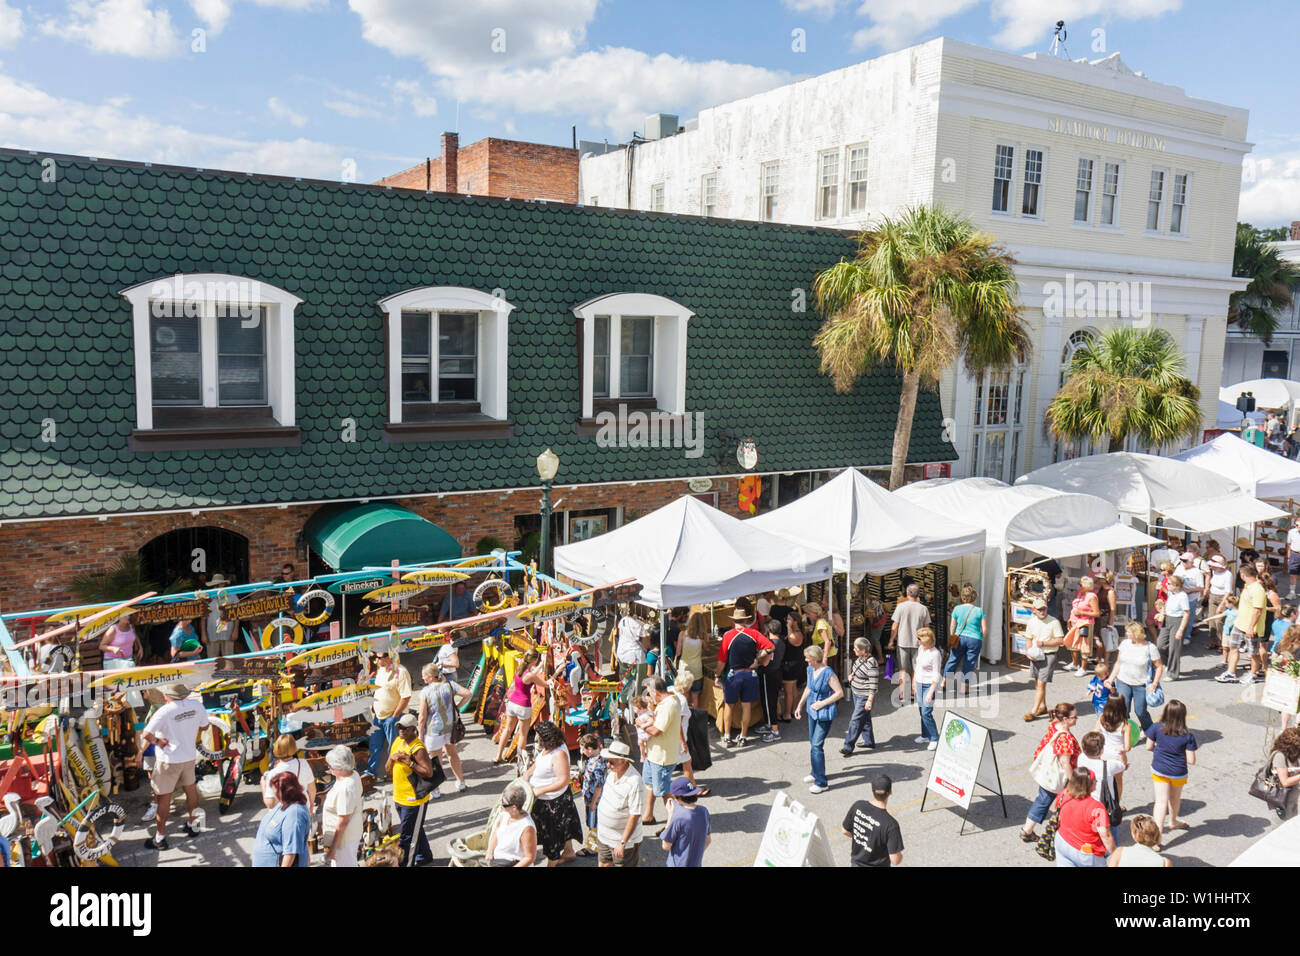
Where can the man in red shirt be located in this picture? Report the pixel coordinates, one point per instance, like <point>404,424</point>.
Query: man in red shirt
<point>743,651</point>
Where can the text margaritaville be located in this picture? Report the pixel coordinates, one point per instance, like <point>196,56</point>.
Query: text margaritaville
<point>1105,134</point>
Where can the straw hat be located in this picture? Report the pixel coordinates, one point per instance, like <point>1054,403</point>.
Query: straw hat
<point>1243,543</point>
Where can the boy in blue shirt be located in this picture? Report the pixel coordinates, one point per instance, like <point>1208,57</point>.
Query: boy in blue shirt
<point>1098,689</point>
<point>687,833</point>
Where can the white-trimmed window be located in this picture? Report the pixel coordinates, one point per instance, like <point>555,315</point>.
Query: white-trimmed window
<point>634,347</point>
<point>447,349</point>
<point>828,184</point>
<point>1065,450</point>
<point>212,341</point>
<point>1003,163</point>
<point>770,183</point>
<point>657,197</point>
<point>998,432</point>
<point>1031,200</point>
<point>709,194</point>
<point>1178,205</point>
<point>857,179</point>
<point>1155,199</point>
<point>1083,191</point>
<point>1109,193</point>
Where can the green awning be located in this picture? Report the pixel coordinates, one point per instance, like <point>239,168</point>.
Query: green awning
<point>351,537</point>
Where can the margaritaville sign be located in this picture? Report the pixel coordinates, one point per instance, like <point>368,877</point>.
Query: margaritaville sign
<point>1105,134</point>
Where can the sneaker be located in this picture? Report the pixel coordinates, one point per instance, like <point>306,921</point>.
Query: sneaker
<point>150,813</point>
<point>1227,677</point>
<point>156,844</point>
<point>921,740</point>
<point>934,745</point>
<point>461,786</point>
<point>816,789</point>
<point>435,795</point>
<point>774,735</point>
<point>1259,678</point>
<point>846,753</point>
<point>1248,678</point>
<point>728,742</point>
<point>767,736</point>
<point>809,779</point>
<point>190,829</point>
<point>740,742</point>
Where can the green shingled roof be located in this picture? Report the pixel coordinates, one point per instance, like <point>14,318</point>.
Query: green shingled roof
<point>69,247</point>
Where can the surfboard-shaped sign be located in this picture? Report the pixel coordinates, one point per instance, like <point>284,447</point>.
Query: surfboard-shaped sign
<point>428,576</point>
<point>329,654</point>
<point>353,699</point>
<point>142,677</point>
<point>399,591</point>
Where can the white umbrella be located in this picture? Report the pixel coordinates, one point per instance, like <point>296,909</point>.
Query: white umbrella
<point>1268,392</point>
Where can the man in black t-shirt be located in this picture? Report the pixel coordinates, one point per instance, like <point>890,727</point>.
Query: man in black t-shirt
<point>877,838</point>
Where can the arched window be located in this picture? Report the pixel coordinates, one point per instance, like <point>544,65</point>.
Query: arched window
<point>214,351</point>
<point>447,349</point>
<point>190,552</point>
<point>998,432</point>
<point>1065,450</point>
<point>633,351</point>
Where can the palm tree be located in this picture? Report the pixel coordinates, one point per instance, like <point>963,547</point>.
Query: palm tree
<point>923,290</point>
<point>1126,382</point>
<point>1256,308</point>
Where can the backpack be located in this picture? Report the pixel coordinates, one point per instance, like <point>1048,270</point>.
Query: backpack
<point>1108,799</point>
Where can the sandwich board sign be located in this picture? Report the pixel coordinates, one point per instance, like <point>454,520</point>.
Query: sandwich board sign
<point>963,760</point>
<point>794,837</point>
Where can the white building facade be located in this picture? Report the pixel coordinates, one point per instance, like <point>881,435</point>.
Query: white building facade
<point>1116,195</point>
<point>1247,357</point>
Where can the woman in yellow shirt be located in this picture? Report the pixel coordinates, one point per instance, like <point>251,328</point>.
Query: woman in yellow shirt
<point>408,752</point>
<point>823,634</point>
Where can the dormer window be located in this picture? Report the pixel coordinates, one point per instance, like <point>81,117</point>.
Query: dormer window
<point>634,352</point>
<point>447,364</point>
<point>214,363</point>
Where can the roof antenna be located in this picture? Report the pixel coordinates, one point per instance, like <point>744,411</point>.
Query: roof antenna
<point>1058,41</point>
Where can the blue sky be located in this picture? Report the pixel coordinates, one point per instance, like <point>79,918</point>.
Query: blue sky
<point>361,88</point>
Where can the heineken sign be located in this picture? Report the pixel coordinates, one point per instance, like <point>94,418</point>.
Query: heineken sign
<point>369,584</point>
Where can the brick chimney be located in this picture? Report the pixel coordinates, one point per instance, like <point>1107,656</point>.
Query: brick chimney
<point>1295,229</point>
<point>450,147</point>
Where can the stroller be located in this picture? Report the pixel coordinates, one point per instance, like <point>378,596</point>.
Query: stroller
<point>472,850</point>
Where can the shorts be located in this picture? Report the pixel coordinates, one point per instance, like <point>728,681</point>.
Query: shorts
<point>435,742</point>
<point>1260,646</point>
<point>519,710</point>
<point>740,686</point>
<point>1238,641</point>
<point>1042,671</point>
<point>1172,781</point>
<point>905,660</point>
<point>657,777</point>
<point>166,777</point>
<point>795,671</point>
<point>605,854</point>
<point>697,686</point>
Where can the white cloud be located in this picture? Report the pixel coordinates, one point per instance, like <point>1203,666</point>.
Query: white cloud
<point>457,39</point>
<point>213,13</point>
<point>410,91</point>
<point>616,87</point>
<point>355,105</point>
<point>282,111</point>
<point>823,8</point>
<point>30,118</point>
<point>126,27</point>
<point>1270,190</point>
<point>895,25</point>
<point>297,6</point>
<point>1026,22</point>
<point>11,24</point>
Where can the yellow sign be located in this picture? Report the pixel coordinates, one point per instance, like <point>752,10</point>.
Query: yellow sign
<point>428,576</point>
<point>143,677</point>
<point>329,654</point>
<point>394,592</point>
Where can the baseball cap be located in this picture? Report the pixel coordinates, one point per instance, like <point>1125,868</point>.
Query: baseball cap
<point>681,787</point>
<point>406,720</point>
<point>1187,556</point>
<point>882,784</point>
<point>1040,604</point>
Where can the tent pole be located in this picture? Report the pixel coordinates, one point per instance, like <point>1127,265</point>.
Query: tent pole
<point>663,638</point>
<point>847,651</point>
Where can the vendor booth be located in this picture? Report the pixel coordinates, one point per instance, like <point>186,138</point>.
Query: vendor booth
<point>1041,521</point>
<point>1260,473</point>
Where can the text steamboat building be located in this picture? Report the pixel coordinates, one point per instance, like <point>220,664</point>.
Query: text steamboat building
<point>1116,194</point>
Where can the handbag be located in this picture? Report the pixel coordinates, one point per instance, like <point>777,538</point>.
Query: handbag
<point>1046,845</point>
<point>1154,697</point>
<point>1074,639</point>
<point>457,729</point>
<point>1108,799</point>
<point>422,785</point>
<point>1265,786</point>
<point>1046,769</point>
<point>954,639</point>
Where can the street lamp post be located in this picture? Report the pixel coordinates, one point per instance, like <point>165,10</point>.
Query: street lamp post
<point>547,465</point>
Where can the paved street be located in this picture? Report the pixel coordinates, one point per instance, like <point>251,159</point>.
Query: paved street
<point>1231,729</point>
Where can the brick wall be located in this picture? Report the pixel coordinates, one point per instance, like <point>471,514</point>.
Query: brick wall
<point>505,168</point>
<point>37,559</point>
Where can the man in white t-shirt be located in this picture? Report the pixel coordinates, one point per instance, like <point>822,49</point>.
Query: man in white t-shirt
<point>630,632</point>
<point>618,815</point>
<point>341,819</point>
<point>174,730</point>
<point>1043,632</point>
<point>1220,586</point>
<point>1193,586</point>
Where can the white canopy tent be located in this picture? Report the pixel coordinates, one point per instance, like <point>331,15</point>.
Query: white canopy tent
<point>1261,473</point>
<point>1045,521</point>
<point>1229,417</point>
<point>690,553</point>
<point>867,529</point>
<point>1268,392</point>
<point>1147,486</point>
